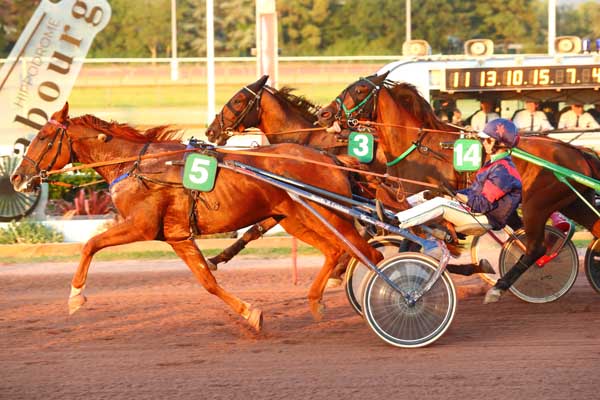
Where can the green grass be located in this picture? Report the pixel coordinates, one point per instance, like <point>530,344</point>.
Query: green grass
<point>272,253</point>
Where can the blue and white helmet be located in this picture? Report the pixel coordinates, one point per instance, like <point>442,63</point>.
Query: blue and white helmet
<point>503,130</point>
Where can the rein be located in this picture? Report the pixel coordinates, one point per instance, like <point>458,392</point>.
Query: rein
<point>227,151</point>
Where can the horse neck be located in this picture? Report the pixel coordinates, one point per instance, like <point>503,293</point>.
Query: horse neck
<point>88,149</point>
<point>399,129</point>
<point>277,117</point>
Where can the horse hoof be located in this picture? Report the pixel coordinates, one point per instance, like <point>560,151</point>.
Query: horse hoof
<point>76,302</point>
<point>318,310</point>
<point>333,283</point>
<point>211,266</point>
<point>256,319</point>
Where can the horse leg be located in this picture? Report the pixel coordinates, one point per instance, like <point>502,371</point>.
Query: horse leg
<point>534,228</point>
<point>331,247</point>
<point>584,215</point>
<point>331,252</point>
<point>335,278</point>
<point>191,255</point>
<point>129,230</point>
<point>251,234</point>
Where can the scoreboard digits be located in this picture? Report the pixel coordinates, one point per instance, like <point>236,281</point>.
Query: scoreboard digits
<point>548,77</point>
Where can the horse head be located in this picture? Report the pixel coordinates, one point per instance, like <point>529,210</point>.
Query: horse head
<point>51,148</point>
<point>240,112</point>
<point>357,101</point>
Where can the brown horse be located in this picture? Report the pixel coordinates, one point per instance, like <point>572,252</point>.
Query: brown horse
<point>405,118</point>
<point>154,206</point>
<point>284,118</point>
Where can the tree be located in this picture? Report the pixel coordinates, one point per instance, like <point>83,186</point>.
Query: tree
<point>13,19</point>
<point>580,21</point>
<point>140,28</point>
<point>303,26</point>
<point>237,25</point>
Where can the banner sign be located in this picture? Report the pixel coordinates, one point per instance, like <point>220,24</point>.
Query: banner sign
<point>37,77</point>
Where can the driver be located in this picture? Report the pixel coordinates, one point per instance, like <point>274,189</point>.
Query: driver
<point>490,200</point>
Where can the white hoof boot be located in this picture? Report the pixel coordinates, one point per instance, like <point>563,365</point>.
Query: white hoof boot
<point>333,283</point>
<point>256,319</point>
<point>493,295</point>
<point>76,299</point>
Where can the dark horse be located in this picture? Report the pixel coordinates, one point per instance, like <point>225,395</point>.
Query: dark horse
<point>284,118</point>
<point>154,206</point>
<point>404,118</point>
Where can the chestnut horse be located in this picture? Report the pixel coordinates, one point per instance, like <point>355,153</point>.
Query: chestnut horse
<point>154,206</point>
<point>406,118</point>
<point>284,118</point>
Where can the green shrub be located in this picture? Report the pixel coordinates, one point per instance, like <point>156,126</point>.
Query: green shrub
<point>27,231</point>
<point>76,179</point>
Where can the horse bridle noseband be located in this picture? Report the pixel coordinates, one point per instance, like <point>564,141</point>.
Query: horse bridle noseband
<point>239,118</point>
<point>352,114</point>
<point>60,134</point>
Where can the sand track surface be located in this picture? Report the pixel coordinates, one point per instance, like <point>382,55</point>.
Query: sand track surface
<point>150,331</point>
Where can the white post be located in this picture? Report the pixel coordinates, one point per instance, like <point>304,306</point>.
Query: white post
<point>551,26</point>
<point>210,61</point>
<point>266,40</point>
<point>174,62</point>
<point>408,22</point>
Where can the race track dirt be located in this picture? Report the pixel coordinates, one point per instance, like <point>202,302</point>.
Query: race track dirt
<point>149,331</point>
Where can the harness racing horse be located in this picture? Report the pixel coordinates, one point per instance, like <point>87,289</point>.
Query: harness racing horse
<point>154,205</point>
<point>284,118</point>
<point>411,136</point>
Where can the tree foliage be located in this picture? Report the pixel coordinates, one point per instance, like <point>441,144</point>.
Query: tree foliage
<point>142,28</point>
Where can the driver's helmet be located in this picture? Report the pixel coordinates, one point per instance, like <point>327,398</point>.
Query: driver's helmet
<point>503,130</point>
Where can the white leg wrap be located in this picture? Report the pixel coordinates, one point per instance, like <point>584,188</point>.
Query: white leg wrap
<point>75,291</point>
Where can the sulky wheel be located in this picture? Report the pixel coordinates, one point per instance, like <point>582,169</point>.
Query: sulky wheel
<point>13,205</point>
<point>389,246</point>
<point>592,264</point>
<point>549,282</point>
<point>400,322</point>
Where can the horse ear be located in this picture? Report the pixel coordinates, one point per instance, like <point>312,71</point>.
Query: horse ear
<point>261,82</point>
<point>62,115</point>
<point>379,79</point>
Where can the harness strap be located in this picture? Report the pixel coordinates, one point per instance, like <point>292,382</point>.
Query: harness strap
<point>192,196</point>
<point>136,165</point>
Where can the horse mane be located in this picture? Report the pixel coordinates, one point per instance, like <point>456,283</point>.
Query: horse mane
<point>157,134</point>
<point>300,103</point>
<point>410,98</point>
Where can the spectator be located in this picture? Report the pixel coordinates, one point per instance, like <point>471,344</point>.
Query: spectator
<point>484,115</point>
<point>530,119</point>
<point>576,118</point>
<point>595,112</point>
<point>457,117</point>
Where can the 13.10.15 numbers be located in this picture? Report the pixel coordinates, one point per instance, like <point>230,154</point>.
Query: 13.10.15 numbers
<point>505,78</point>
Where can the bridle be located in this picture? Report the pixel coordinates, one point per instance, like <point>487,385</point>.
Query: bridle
<point>253,105</point>
<point>353,114</point>
<point>60,134</point>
